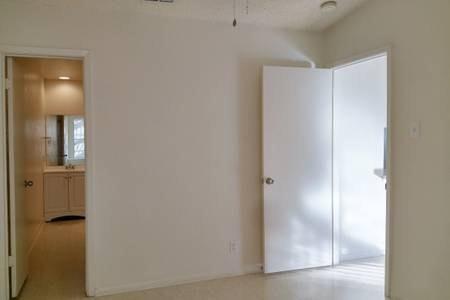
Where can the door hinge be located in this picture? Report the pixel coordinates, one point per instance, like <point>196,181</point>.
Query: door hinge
<point>8,84</point>
<point>11,261</point>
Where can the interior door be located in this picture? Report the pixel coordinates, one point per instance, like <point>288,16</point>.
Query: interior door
<point>25,158</point>
<point>16,140</point>
<point>297,146</point>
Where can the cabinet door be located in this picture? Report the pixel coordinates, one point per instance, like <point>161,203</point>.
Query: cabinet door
<point>56,189</point>
<point>76,192</point>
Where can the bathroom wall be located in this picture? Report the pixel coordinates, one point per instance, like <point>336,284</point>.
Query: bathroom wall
<point>61,97</point>
<point>360,114</point>
<point>64,97</point>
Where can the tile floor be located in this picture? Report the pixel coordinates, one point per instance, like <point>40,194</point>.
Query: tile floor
<point>57,272</point>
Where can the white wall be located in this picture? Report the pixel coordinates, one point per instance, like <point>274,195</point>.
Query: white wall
<point>418,32</point>
<point>177,125</point>
<point>64,97</point>
<point>360,119</point>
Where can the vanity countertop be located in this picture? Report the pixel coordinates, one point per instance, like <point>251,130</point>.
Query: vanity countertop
<point>62,169</point>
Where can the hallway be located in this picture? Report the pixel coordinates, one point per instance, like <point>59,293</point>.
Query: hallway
<point>57,263</point>
<point>57,273</point>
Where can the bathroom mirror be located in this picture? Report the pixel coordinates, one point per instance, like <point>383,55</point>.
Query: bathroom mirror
<point>64,140</point>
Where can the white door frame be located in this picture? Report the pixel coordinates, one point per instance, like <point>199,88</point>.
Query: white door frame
<point>18,51</point>
<point>387,51</point>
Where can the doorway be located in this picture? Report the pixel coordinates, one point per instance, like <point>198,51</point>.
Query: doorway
<point>325,164</point>
<point>360,159</point>
<point>44,112</point>
<point>360,167</point>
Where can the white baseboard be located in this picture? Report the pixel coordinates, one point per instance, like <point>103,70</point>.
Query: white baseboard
<point>134,287</point>
<point>252,269</point>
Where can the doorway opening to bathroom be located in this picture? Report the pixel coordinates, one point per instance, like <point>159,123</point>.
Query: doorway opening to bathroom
<point>360,164</point>
<point>45,154</point>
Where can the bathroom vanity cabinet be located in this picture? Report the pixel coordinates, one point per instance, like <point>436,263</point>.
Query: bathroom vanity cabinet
<point>64,193</point>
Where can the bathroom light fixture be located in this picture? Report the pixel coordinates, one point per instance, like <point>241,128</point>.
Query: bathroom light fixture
<point>64,78</point>
<point>327,6</point>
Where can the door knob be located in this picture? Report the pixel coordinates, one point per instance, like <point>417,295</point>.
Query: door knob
<point>28,183</point>
<point>269,181</point>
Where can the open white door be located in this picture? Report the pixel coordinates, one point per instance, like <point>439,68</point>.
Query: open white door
<point>16,163</point>
<point>297,134</point>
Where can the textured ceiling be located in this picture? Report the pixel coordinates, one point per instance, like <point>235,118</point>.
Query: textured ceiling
<point>295,14</point>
